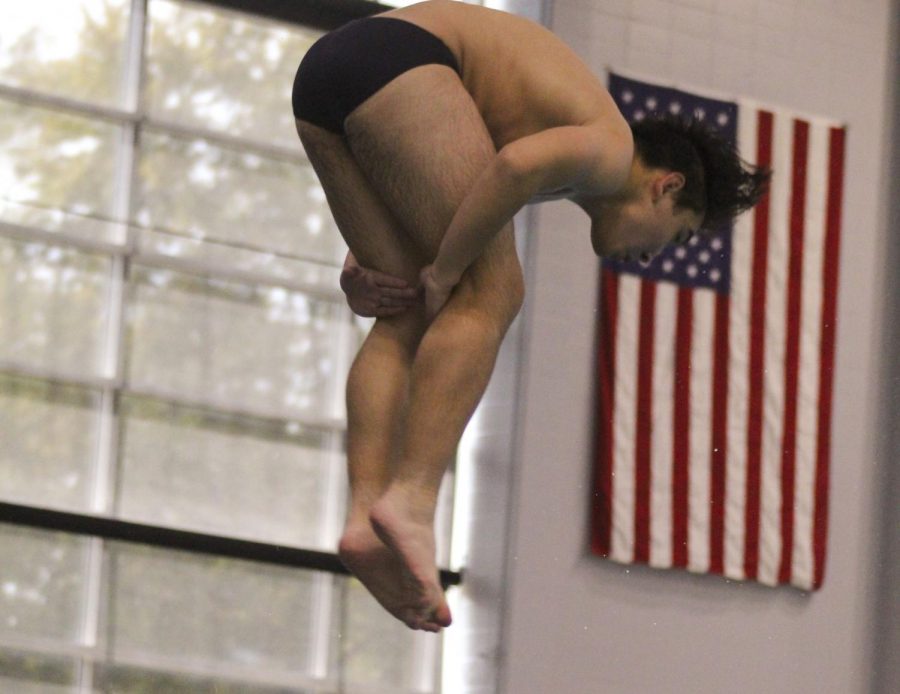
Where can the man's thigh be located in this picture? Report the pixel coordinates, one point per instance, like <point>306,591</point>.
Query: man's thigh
<point>422,143</point>
<point>373,234</point>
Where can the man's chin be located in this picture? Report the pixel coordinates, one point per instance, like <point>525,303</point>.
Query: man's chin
<point>602,249</point>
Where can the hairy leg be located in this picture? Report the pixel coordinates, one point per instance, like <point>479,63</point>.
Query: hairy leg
<point>422,144</point>
<point>378,382</point>
<point>449,376</point>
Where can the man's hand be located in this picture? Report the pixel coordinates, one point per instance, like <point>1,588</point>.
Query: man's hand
<point>373,294</point>
<point>437,292</point>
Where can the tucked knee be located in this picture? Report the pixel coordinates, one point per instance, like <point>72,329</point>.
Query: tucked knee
<point>498,297</point>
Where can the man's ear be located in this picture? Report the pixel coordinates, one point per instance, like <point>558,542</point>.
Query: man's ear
<point>671,182</point>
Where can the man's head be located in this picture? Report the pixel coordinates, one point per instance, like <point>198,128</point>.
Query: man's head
<point>684,176</point>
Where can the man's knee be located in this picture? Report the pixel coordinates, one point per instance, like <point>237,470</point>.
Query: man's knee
<point>495,283</point>
<point>497,297</point>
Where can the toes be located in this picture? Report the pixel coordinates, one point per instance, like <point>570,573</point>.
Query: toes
<point>426,625</point>
<point>423,619</point>
<point>442,615</point>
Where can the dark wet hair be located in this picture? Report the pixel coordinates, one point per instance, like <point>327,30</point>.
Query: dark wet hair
<point>718,183</point>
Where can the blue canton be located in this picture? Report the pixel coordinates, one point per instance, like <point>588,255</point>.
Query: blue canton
<point>705,261</point>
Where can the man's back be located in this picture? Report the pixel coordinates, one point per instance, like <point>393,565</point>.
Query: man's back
<point>522,78</point>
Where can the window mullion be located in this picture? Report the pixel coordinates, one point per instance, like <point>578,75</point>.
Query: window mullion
<point>103,491</point>
<point>425,663</point>
<point>333,510</point>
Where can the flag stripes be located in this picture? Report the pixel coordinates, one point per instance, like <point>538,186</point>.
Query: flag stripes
<point>714,403</point>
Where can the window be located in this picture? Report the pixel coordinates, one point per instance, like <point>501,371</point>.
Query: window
<point>173,352</point>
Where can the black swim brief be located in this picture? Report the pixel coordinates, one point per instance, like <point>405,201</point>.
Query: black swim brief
<point>348,65</point>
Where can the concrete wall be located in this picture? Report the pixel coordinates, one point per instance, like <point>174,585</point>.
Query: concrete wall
<point>573,623</point>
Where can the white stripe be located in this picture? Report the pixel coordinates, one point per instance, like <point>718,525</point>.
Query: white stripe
<point>739,364</point>
<point>625,419</point>
<point>770,541</point>
<point>661,451</point>
<point>700,461</point>
<point>802,561</point>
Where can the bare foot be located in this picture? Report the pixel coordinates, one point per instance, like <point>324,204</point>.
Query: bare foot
<point>412,540</point>
<point>381,572</point>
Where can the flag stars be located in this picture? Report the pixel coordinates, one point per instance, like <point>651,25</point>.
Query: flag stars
<point>704,261</point>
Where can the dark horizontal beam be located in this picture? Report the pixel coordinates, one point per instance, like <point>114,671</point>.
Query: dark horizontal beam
<point>171,538</point>
<point>323,14</point>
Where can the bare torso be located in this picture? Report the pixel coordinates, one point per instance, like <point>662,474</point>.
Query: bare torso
<point>522,78</point>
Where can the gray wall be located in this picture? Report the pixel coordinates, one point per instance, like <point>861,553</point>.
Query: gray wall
<point>573,623</point>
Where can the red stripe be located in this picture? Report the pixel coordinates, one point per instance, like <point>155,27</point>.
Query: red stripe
<point>644,428</point>
<point>681,427</point>
<point>601,541</point>
<point>757,354</point>
<point>719,436</point>
<point>792,346</point>
<point>826,362</point>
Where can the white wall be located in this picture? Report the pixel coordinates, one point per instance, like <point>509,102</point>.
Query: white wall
<point>574,623</point>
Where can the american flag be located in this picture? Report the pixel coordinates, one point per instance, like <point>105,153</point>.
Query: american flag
<point>715,367</point>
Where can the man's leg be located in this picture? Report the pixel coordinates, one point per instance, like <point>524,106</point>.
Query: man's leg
<point>378,382</point>
<point>450,373</point>
<point>422,143</point>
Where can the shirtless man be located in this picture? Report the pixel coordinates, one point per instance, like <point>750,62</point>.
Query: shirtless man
<point>429,127</point>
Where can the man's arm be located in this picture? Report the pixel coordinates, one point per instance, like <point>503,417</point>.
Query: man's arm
<point>586,158</point>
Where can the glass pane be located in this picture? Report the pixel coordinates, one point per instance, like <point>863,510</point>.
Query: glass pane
<point>120,679</point>
<point>260,349</point>
<point>254,479</point>
<point>43,218</point>
<point>199,612</point>
<point>73,48</point>
<point>276,268</point>
<point>223,70</point>
<point>235,197</point>
<point>41,583</point>
<point>57,160</point>
<point>33,673</point>
<point>49,435</point>
<point>376,649</point>
<point>52,306</point>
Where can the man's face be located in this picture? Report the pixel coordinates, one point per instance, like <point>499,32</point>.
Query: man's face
<point>638,228</point>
